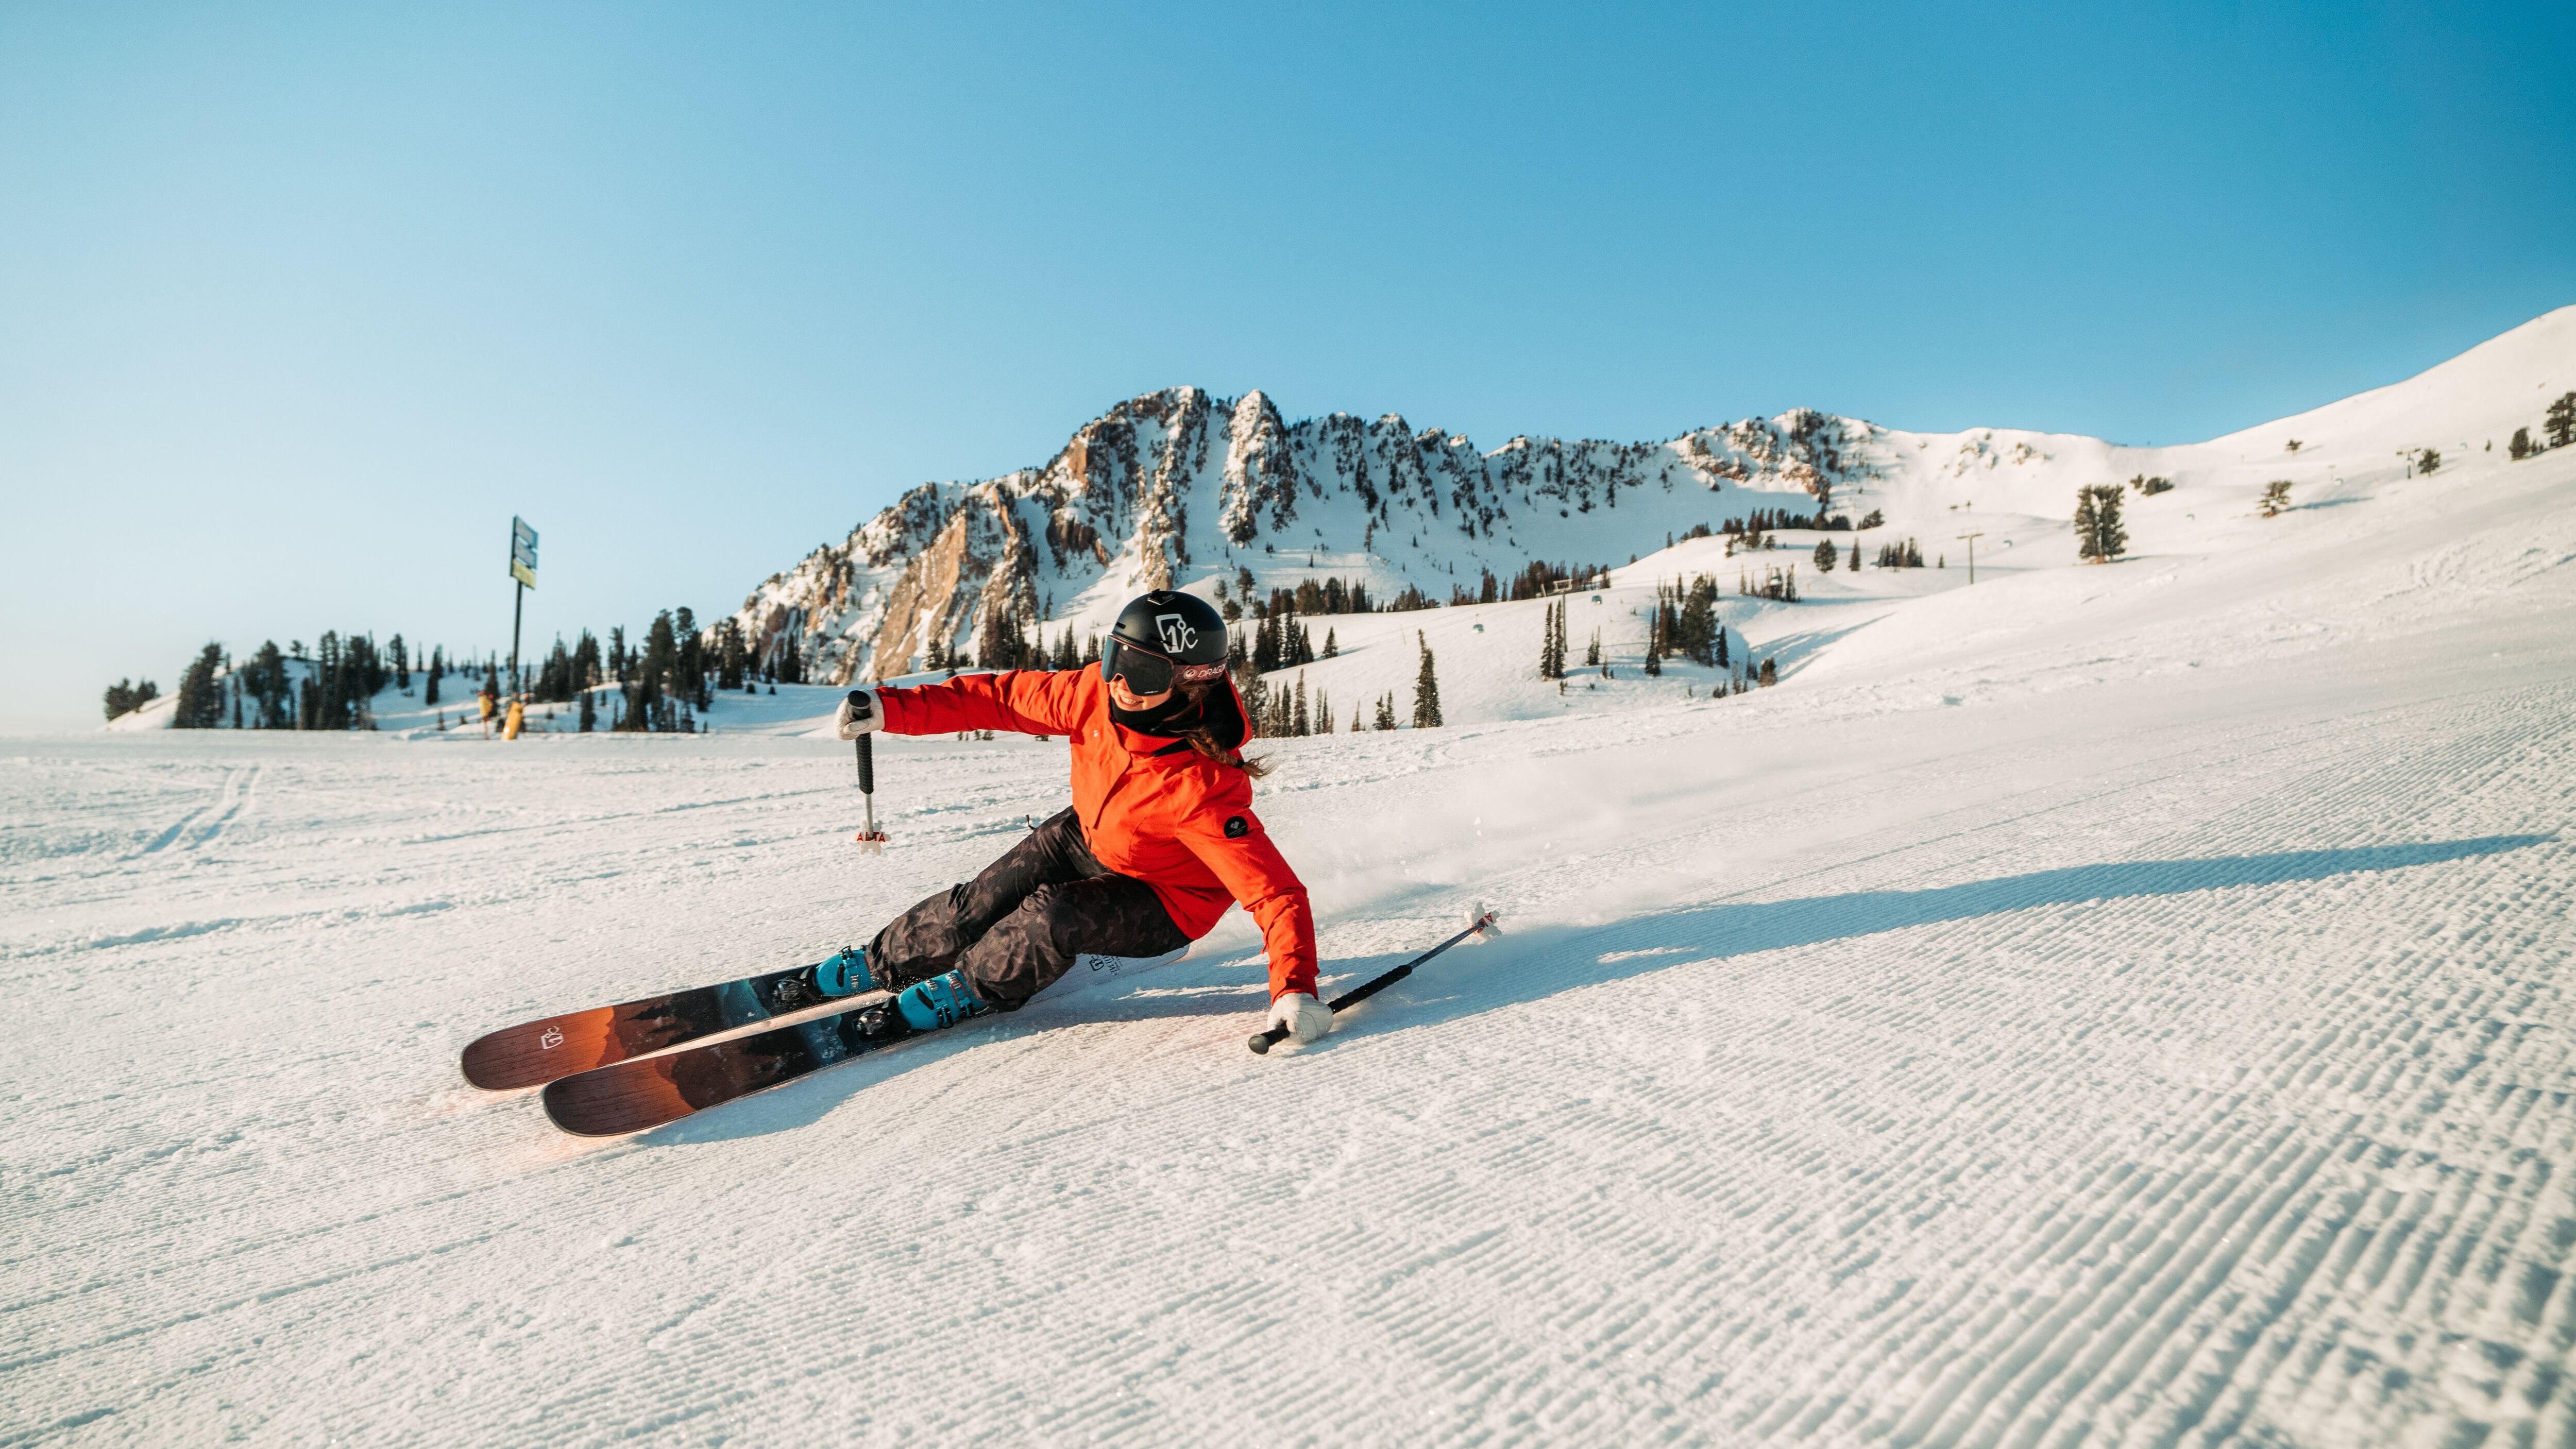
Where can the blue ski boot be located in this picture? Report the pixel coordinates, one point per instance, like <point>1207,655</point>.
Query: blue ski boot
<point>845,974</point>
<point>923,1006</point>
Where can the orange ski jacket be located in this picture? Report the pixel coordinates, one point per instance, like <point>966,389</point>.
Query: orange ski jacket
<point>1178,821</point>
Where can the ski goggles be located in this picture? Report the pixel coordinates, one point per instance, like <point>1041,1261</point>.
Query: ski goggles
<point>1147,672</point>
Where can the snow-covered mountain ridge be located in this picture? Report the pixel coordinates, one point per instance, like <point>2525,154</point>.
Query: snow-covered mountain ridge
<point>1181,488</point>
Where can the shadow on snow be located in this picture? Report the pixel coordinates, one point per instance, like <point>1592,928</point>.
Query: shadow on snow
<point>1526,966</point>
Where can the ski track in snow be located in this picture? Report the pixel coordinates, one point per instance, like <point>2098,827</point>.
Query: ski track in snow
<point>1994,1047</point>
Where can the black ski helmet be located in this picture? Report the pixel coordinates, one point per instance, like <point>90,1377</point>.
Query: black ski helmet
<point>1182,628</point>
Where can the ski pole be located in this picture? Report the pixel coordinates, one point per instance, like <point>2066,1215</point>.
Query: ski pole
<point>870,839</point>
<point>1262,1041</point>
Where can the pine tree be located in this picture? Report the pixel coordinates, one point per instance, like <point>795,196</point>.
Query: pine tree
<point>1655,643</point>
<point>428,691</point>
<point>2560,422</point>
<point>1332,645</point>
<point>1697,626</point>
<point>1265,646</point>
<point>2098,534</point>
<point>1826,557</point>
<point>657,680</point>
<point>731,654</point>
<point>1770,673</point>
<point>1300,724</point>
<point>2520,447</point>
<point>200,704</point>
<point>1386,710</point>
<point>589,711</point>
<point>1426,689</point>
<point>1854,565</point>
<point>2276,498</point>
<point>690,663</point>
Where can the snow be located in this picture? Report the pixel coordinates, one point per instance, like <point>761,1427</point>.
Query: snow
<point>2106,1005</point>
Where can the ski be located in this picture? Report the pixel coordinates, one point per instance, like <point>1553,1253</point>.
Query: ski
<point>653,1091</point>
<point>635,1096</point>
<point>534,1053</point>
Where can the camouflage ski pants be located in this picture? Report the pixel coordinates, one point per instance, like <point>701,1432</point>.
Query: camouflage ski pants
<point>1019,925</point>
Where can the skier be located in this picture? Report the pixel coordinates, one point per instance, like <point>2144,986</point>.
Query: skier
<point>1160,838</point>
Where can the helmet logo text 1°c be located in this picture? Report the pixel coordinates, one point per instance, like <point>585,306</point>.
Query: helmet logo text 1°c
<point>1176,631</point>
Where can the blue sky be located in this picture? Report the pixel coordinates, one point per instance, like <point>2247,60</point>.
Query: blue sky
<point>298,305</point>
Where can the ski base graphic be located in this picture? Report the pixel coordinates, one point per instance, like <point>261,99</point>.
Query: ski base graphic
<point>633,1096</point>
<point>533,1053</point>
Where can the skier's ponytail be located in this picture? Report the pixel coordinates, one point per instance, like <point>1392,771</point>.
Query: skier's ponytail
<point>1204,738</point>
<point>1206,744</point>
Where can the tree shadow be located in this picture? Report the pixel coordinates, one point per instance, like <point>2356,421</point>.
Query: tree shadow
<point>1527,965</point>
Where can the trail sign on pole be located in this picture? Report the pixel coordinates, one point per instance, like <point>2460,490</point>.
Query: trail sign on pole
<point>523,570</point>
<point>523,553</point>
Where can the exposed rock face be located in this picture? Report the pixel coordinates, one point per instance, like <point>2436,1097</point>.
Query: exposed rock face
<point>1179,489</point>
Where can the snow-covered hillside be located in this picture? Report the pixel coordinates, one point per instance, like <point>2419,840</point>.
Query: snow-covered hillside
<point>1177,488</point>
<point>2120,1006</point>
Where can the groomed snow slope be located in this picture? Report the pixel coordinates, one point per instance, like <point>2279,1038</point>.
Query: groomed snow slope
<point>2119,1006</point>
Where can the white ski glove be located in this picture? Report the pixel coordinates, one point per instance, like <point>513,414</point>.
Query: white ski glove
<point>858,715</point>
<point>1303,1016</point>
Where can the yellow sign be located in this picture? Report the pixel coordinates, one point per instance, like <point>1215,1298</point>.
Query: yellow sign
<point>523,573</point>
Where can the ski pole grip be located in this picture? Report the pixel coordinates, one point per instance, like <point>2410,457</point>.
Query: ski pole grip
<point>867,767</point>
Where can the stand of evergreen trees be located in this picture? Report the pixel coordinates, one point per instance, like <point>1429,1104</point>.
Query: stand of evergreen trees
<point>332,687</point>
<point>1761,521</point>
<point>1281,712</point>
<point>125,696</point>
<point>2557,430</point>
<point>1686,622</point>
